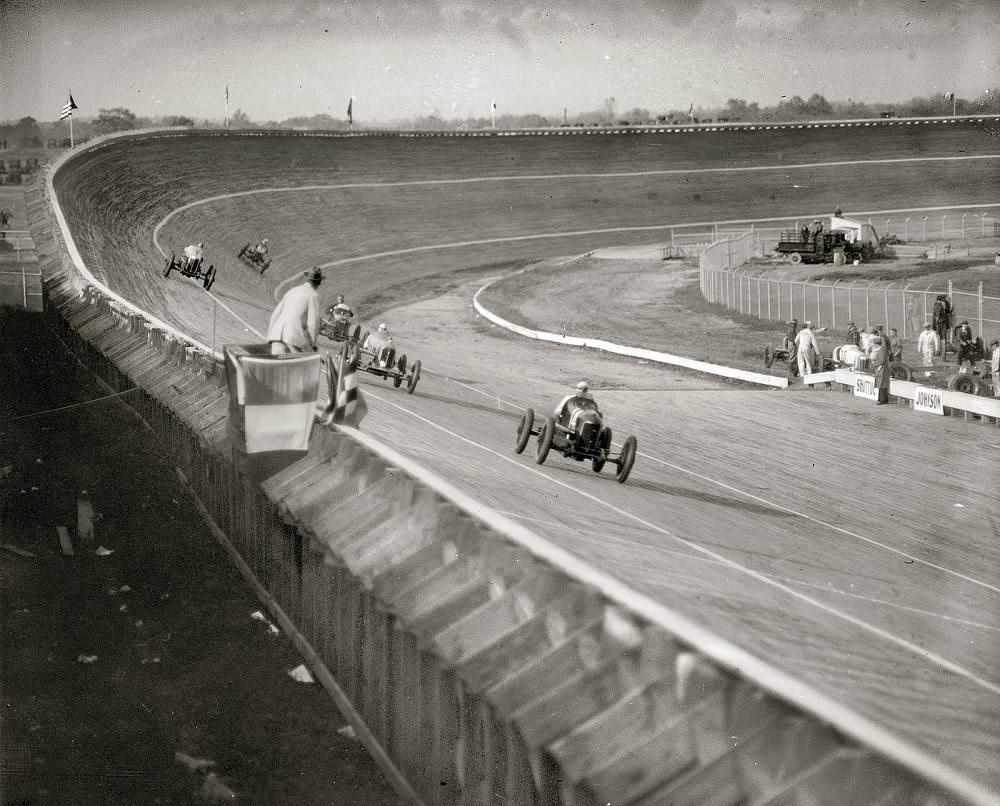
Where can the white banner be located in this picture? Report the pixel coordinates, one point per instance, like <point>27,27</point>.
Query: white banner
<point>864,386</point>
<point>927,399</point>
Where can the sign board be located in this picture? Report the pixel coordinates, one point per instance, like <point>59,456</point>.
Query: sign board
<point>864,386</point>
<point>928,399</point>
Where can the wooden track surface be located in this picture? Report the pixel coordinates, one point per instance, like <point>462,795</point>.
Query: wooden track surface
<point>855,547</point>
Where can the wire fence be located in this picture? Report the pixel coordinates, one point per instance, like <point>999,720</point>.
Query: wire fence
<point>725,280</point>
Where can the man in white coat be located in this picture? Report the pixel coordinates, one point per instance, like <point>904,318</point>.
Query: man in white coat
<point>806,350</point>
<point>294,325</point>
<point>928,344</point>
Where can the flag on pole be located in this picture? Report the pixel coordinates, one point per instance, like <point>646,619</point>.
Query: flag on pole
<point>691,110</point>
<point>494,106</point>
<point>346,405</point>
<point>67,111</point>
<point>350,110</point>
<point>950,96</point>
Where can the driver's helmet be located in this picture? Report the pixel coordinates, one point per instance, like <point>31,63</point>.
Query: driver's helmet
<point>264,241</point>
<point>382,327</point>
<point>201,246</point>
<point>340,298</point>
<point>582,388</point>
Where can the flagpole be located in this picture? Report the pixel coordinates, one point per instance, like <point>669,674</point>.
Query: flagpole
<point>71,130</point>
<point>227,106</point>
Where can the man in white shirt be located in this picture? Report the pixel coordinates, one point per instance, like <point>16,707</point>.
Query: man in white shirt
<point>928,344</point>
<point>294,325</point>
<point>806,350</point>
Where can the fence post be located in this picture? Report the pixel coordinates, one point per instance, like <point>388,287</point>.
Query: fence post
<point>925,229</point>
<point>758,296</point>
<point>984,225</point>
<point>906,228</point>
<point>769,300</point>
<point>963,224</point>
<point>868,305</point>
<point>945,216</point>
<point>833,304</point>
<point>819,315</point>
<point>887,309</point>
<point>995,380</point>
<point>850,302</point>
<point>906,318</point>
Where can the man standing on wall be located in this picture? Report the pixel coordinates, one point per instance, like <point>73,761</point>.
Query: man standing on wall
<point>294,325</point>
<point>806,349</point>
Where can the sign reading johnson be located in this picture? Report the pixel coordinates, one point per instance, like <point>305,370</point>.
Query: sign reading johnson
<point>929,400</point>
<point>864,386</point>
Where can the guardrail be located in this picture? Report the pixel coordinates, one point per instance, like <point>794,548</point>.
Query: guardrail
<point>479,663</point>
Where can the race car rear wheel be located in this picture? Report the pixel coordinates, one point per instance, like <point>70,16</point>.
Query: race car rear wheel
<point>355,337</point>
<point>900,371</point>
<point>243,251</point>
<point>401,364</point>
<point>209,278</point>
<point>626,459</point>
<point>967,384</point>
<point>411,384</point>
<point>169,266</point>
<point>768,356</point>
<point>524,430</point>
<point>604,443</point>
<point>545,440</point>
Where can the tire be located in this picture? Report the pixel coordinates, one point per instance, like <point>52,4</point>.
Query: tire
<point>401,364</point>
<point>169,266</point>
<point>768,357</point>
<point>900,371</point>
<point>626,460</point>
<point>264,266</point>
<point>964,383</point>
<point>243,251</point>
<point>545,435</point>
<point>355,337</point>
<point>209,278</point>
<point>411,384</point>
<point>604,441</point>
<point>795,258</point>
<point>524,430</point>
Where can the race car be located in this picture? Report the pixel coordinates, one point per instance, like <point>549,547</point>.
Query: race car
<point>190,268</point>
<point>579,435</point>
<point>381,360</point>
<point>336,325</point>
<point>254,258</point>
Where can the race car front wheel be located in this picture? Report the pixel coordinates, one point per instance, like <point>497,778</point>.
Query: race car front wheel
<point>545,440</point>
<point>524,430</point>
<point>626,460</point>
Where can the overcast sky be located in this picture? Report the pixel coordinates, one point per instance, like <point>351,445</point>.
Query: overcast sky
<point>403,58</point>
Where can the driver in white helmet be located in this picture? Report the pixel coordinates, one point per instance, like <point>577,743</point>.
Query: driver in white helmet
<point>569,407</point>
<point>380,343</point>
<point>261,248</point>
<point>194,253</point>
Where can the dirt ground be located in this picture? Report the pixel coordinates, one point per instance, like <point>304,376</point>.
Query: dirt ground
<point>113,664</point>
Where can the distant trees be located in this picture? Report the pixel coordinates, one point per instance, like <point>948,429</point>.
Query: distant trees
<point>240,120</point>
<point>738,109</point>
<point>177,120</point>
<point>118,119</point>
<point>27,133</point>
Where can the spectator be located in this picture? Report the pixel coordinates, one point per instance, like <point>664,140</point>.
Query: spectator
<point>966,344</point>
<point>928,344</point>
<point>866,339</point>
<point>880,363</point>
<point>995,366</point>
<point>942,318</point>
<point>853,336</point>
<point>294,325</point>
<point>806,349</point>
<point>895,349</point>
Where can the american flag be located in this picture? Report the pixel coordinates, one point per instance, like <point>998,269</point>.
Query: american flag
<point>67,111</point>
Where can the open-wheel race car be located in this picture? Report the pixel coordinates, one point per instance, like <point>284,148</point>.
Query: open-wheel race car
<point>337,326</point>
<point>580,434</point>
<point>190,268</point>
<point>381,360</point>
<point>252,257</point>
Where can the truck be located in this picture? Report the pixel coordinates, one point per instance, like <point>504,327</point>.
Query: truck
<point>821,242</point>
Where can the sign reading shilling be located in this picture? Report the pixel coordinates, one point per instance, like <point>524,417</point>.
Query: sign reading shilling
<point>929,400</point>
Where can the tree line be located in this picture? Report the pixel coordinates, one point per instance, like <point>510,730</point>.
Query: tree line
<point>28,133</point>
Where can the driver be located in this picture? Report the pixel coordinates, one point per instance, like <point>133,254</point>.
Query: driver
<point>261,248</point>
<point>573,404</point>
<point>380,343</point>
<point>193,253</point>
<point>341,310</point>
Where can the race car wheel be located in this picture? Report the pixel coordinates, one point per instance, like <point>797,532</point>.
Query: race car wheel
<point>900,371</point>
<point>401,364</point>
<point>768,356</point>
<point>626,460</point>
<point>545,435</point>
<point>356,335</point>
<point>604,443</point>
<point>169,266</point>
<point>264,265</point>
<point>209,278</point>
<point>795,258</point>
<point>243,251</point>
<point>967,384</point>
<point>411,384</point>
<point>524,430</point>
<point>397,380</point>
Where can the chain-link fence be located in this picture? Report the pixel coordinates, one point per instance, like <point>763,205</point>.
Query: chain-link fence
<point>749,290</point>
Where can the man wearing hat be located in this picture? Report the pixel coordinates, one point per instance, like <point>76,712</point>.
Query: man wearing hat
<point>928,344</point>
<point>806,349</point>
<point>294,325</point>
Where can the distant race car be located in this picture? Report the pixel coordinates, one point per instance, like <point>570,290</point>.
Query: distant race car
<point>382,361</point>
<point>190,268</point>
<point>579,435</point>
<point>254,259</point>
<point>336,326</point>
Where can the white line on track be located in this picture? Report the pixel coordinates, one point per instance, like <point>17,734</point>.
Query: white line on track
<point>916,649</point>
<point>760,500</point>
<point>235,315</point>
